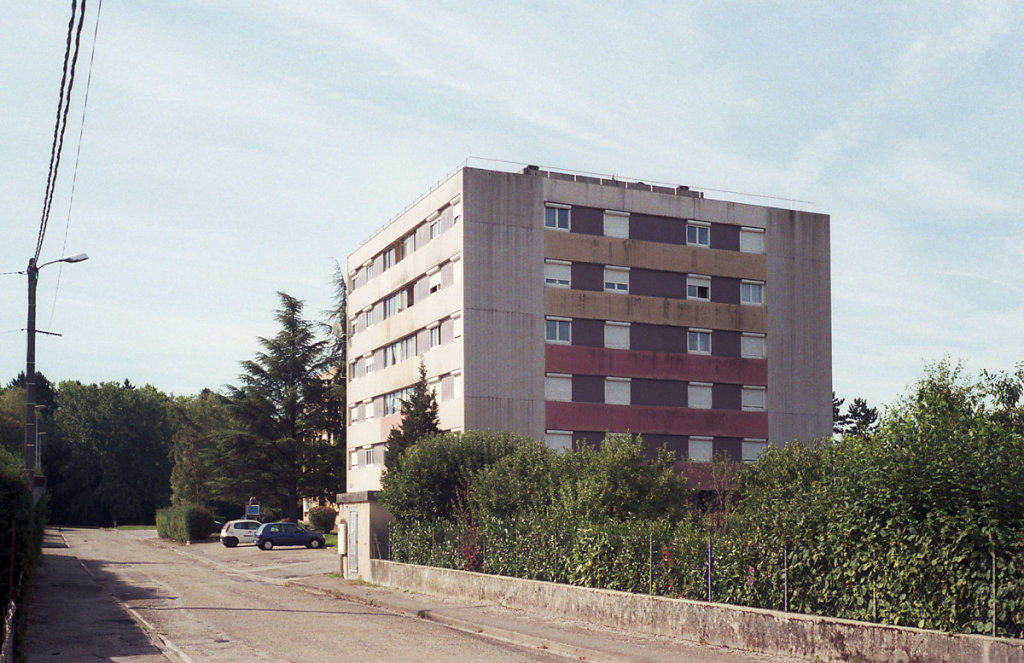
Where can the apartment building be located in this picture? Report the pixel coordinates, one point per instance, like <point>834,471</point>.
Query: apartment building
<point>565,307</point>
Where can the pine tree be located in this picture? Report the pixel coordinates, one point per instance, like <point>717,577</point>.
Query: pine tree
<point>861,420</point>
<point>284,408</point>
<point>419,419</point>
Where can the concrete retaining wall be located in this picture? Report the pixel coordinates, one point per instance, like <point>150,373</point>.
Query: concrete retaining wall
<point>752,629</point>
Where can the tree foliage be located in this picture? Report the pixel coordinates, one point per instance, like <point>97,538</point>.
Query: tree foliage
<point>109,460</point>
<point>283,410</point>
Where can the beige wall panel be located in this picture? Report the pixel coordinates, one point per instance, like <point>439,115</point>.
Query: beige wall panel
<point>799,326</point>
<point>577,247</point>
<point>653,310</point>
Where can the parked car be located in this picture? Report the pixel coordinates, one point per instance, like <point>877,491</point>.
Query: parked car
<point>238,531</point>
<point>287,534</point>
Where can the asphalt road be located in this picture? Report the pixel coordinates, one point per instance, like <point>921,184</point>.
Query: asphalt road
<point>103,596</point>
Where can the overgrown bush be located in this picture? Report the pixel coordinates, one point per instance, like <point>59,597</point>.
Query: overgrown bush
<point>20,546</point>
<point>323,518</point>
<point>184,522</point>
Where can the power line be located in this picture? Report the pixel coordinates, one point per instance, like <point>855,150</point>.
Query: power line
<point>78,154</point>
<point>63,105</point>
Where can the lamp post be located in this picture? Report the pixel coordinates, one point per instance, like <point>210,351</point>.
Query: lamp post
<point>30,364</point>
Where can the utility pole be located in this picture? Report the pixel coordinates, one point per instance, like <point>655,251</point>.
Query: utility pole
<point>31,425</point>
<point>30,375</point>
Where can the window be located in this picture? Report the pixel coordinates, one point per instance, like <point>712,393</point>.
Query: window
<point>752,449</point>
<point>408,348</point>
<point>752,346</point>
<point>435,335</point>
<point>753,398</point>
<point>434,279</point>
<point>457,324</point>
<point>557,330</point>
<point>369,364</point>
<point>616,335</point>
<point>369,316</point>
<point>698,233</point>
<point>556,217</point>
<point>616,224</point>
<point>698,395</point>
<point>391,354</point>
<point>698,287</point>
<point>408,244</point>
<point>752,293</point>
<point>752,240</point>
<point>392,403</point>
<point>558,440</point>
<point>700,448</point>
<point>616,279</point>
<point>698,341</point>
<point>617,391</point>
<point>368,409</point>
<point>457,384</point>
<point>557,387</point>
<point>355,325</point>
<point>395,304</point>
<point>353,414</point>
<point>368,268</point>
<point>557,273</point>
<point>389,258</point>
<point>369,456</point>
<point>353,459</point>
<point>456,211</point>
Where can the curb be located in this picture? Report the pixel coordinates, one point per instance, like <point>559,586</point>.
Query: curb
<point>508,636</point>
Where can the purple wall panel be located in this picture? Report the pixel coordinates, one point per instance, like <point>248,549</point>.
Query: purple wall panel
<point>725,290</point>
<point>422,236</point>
<point>732,447</point>
<point>588,389</point>
<point>448,276</point>
<point>421,289</point>
<point>422,341</point>
<point>378,407</point>
<point>661,393</point>
<point>446,220</point>
<point>587,276</point>
<point>657,229</point>
<point>677,444</point>
<point>582,439</point>
<point>378,359</point>
<point>586,220</point>
<point>725,343</point>
<point>588,333</point>
<point>659,338</point>
<point>725,236</point>
<point>726,396</point>
<point>447,330</point>
<point>447,388</point>
<point>657,283</point>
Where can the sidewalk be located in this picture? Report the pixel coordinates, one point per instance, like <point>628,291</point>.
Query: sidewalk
<point>576,640</point>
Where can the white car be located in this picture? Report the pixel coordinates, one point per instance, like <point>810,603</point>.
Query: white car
<point>238,531</point>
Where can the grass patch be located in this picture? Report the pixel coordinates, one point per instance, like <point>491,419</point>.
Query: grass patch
<point>332,540</point>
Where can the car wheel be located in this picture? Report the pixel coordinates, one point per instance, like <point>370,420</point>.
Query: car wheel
<point>230,542</point>
<point>267,545</point>
<point>313,543</point>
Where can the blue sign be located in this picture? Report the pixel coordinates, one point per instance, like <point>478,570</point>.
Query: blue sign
<point>252,510</point>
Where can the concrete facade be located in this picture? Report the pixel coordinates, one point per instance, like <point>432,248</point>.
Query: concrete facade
<point>565,307</point>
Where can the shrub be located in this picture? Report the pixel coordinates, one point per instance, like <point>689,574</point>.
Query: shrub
<point>23,524</point>
<point>323,518</point>
<point>184,522</point>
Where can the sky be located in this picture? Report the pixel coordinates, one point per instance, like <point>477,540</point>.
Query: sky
<point>231,150</point>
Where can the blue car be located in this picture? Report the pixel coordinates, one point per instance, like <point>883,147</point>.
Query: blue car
<point>286,534</point>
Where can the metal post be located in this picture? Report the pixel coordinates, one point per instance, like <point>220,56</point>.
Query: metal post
<point>992,546</point>
<point>709,564</point>
<point>30,375</point>
<point>650,563</point>
<point>785,577</point>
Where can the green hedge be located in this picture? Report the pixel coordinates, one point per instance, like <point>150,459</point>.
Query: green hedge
<point>21,544</point>
<point>184,522</point>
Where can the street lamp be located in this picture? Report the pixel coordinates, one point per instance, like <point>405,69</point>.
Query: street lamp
<point>30,364</point>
